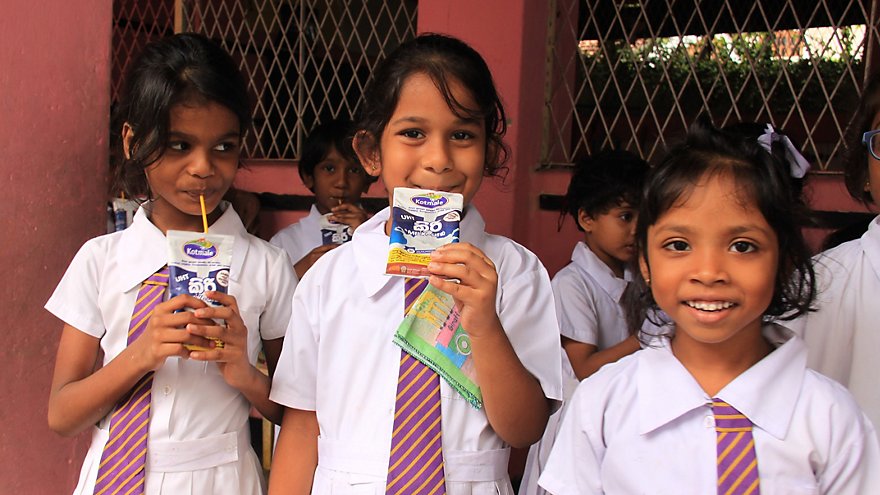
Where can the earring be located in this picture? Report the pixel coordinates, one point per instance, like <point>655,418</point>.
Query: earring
<point>867,185</point>
<point>648,281</point>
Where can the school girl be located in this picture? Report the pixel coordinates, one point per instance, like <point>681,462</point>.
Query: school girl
<point>720,401</point>
<point>176,420</point>
<point>432,119</point>
<point>602,197</point>
<point>331,170</point>
<point>843,336</point>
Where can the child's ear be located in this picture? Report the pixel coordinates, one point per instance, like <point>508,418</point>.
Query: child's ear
<point>367,150</point>
<point>127,134</point>
<point>585,220</point>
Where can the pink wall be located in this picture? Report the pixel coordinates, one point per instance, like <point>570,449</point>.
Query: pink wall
<point>55,76</point>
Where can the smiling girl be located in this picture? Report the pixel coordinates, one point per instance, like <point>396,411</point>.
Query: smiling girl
<point>433,120</point>
<point>721,400</point>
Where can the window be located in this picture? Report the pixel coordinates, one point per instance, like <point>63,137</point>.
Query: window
<point>635,74</point>
<point>306,60</point>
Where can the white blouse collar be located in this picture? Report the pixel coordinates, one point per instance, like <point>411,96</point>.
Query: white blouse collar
<point>143,248</point>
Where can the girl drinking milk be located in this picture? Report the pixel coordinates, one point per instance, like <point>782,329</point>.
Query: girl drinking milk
<point>167,419</point>
<point>432,120</point>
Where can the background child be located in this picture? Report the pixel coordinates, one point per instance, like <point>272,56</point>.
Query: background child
<point>842,335</point>
<point>602,198</point>
<point>331,170</point>
<point>432,119</point>
<point>185,112</point>
<point>722,255</point>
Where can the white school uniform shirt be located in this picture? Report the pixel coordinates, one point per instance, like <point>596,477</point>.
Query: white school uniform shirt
<point>587,295</point>
<point>588,300</point>
<point>299,238</point>
<point>199,440</point>
<point>644,425</point>
<point>339,360</point>
<point>843,336</point>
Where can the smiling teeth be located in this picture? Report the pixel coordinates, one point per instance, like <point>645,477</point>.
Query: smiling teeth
<point>709,306</point>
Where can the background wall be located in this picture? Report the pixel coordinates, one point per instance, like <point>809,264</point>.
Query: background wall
<point>53,160</point>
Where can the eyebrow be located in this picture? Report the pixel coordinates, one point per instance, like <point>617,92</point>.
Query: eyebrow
<point>179,134</point>
<point>422,120</point>
<point>738,230</point>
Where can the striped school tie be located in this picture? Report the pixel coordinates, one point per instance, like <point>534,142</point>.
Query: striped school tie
<point>125,454</point>
<point>416,463</point>
<point>737,463</point>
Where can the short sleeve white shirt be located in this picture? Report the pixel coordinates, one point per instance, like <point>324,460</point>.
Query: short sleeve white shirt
<point>339,359</point>
<point>588,300</point>
<point>190,400</point>
<point>300,238</point>
<point>644,425</point>
<point>843,336</point>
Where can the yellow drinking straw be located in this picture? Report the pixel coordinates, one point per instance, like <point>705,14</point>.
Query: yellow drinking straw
<point>220,343</point>
<point>204,213</point>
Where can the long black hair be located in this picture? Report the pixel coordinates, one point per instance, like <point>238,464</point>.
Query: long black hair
<point>183,68</point>
<point>709,152</point>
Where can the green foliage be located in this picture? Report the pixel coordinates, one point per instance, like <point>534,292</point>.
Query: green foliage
<point>747,71</point>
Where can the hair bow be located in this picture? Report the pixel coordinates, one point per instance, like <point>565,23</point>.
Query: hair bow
<point>798,165</point>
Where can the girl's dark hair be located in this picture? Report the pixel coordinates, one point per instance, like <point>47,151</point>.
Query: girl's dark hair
<point>326,136</point>
<point>446,60</point>
<point>709,152</point>
<point>184,68</point>
<point>855,166</point>
<point>604,181</point>
<point>753,130</point>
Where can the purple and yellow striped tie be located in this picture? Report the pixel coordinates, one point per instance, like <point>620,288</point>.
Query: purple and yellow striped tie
<point>416,463</point>
<point>125,454</point>
<point>737,462</point>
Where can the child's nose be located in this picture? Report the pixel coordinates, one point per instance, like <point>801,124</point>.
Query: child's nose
<point>437,157</point>
<point>711,269</point>
<point>340,178</point>
<point>201,164</point>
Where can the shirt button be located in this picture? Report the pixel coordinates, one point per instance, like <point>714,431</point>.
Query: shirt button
<point>167,389</point>
<point>710,421</point>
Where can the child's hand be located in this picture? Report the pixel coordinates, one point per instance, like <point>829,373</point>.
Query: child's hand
<point>349,214</point>
<point>165,334</point>
<point>303,265</point>
<point>475,294</point>
<point>230,353</point>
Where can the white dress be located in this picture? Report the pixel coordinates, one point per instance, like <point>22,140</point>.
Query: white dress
<point>644,425</point>
<point>299,238</point>
<point>199,440</point>
<point>339,360</point>
<point>587,295</point>
<point>843,336</point>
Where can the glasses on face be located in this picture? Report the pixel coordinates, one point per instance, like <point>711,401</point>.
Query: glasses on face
<point>871,139</point>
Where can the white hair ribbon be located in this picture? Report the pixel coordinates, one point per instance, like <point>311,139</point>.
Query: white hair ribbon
<point>798,165</point>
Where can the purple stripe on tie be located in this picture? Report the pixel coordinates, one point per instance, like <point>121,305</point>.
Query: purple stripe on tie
<point>124,457</point>
<point>419,441</point>
<point>416,460</point>
<point>737,469</point>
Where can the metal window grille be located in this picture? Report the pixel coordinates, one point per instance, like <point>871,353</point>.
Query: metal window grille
<point>306,60</point>
<point>637,73</point>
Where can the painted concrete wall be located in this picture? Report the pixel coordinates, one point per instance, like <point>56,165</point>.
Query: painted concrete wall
<point>53,130</point>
